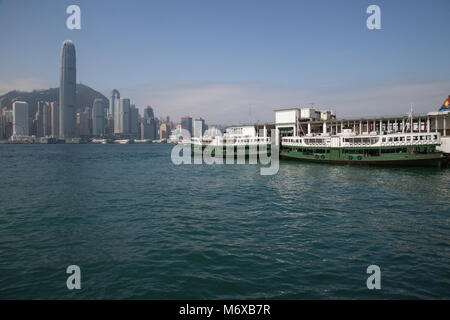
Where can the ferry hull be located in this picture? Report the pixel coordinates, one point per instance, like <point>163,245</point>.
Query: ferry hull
<point>426,161</point>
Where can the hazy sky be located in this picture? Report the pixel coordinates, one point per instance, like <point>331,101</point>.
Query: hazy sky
<point>235,61</point>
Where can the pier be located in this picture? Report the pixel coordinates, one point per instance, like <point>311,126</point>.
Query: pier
<point>311,122</point>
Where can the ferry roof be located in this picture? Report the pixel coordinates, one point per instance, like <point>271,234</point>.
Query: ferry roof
<point>288,109</point>
<point>251,125</point>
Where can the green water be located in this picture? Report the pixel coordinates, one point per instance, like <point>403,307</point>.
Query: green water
<point>140,227</point>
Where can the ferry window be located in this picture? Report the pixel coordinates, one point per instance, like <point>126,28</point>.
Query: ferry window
<point>395,138</point>
<point>408,138</point>
<point>390,139</point>
<point>384,140</point>
<point>415,138</point>
<point>435,137</point>
<point>402,138</point>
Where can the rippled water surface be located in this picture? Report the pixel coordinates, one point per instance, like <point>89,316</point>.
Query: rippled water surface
<point>140,227</point>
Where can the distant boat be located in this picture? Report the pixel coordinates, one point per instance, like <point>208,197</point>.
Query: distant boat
<point>143,141</point>
<point>101,141</point>
<point>124,141</point>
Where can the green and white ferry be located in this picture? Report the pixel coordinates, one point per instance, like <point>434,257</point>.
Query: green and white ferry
<point>244,140</point>
<point>349,148</point>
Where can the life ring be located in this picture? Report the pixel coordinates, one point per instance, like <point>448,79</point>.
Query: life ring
<point>316,156</point>
<point>359,158</point>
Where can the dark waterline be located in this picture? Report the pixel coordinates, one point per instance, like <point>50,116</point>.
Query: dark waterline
<point>140,227</point>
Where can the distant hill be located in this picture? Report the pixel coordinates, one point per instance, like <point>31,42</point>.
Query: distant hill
<point>85,97</point>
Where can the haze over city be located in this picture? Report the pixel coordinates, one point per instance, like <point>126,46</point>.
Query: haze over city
<point>235,62</point>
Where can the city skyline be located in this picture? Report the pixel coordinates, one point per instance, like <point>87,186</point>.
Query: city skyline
<point>239,73</point>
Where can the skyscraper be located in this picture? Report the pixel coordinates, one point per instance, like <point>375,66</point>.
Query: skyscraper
<point>199,128</point>
<point>54,111</point>
<point>115,95</point>
<point>98,118</point>
<point>186,124</point>
<point>20,119</point>
<point>67,91</point>
<point>47,120</point>
<point>83,124</point>
<point>122,117</point>
<point>163,132</point>
<point>134,121</point>
<point>7,119</point>
<point>148,113</point>
<point>42,120</point>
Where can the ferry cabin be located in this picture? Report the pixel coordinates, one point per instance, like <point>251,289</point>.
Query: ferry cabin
<point>417,149</point>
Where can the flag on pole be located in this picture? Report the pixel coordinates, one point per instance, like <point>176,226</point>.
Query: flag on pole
<point>445,105</point>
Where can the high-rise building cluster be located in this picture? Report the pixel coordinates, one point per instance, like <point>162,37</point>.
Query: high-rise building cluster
<point>61,120</point>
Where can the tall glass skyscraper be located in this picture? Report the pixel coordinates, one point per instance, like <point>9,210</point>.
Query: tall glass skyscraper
<point>67,91</point>
<point>115,95</point>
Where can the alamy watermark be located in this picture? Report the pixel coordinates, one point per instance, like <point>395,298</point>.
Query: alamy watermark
<point>74,20</point>
<point>374,20</point>
<point>374,280</point>
<point>74,280</point>
<point>219,151</point>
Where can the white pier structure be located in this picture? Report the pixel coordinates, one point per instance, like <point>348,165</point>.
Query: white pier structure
<point>310,122</point>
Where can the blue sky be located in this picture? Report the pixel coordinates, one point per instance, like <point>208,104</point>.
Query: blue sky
<point>216,58</point>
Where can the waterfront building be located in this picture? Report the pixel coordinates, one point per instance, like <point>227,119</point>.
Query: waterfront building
<point>83,124</point>
<point>20,119</point>
<point>148,113</point>
<point>122,117</point>
<point>134,121</point>
<point>109,129</point>
<point>67,91</point>
<point>213,131</point>
<point>163,132</point>
<point>46,120</point>
<point>148,129</point>
<point>199,128</point>
<point>54,115</point>
<point>6,123</point>
<point>39,120</point>
<point>98,118</point>
<point>186,124</point>
<point>42,120</point>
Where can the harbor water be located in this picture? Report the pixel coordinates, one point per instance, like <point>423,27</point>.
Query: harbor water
<point>140,227</point>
